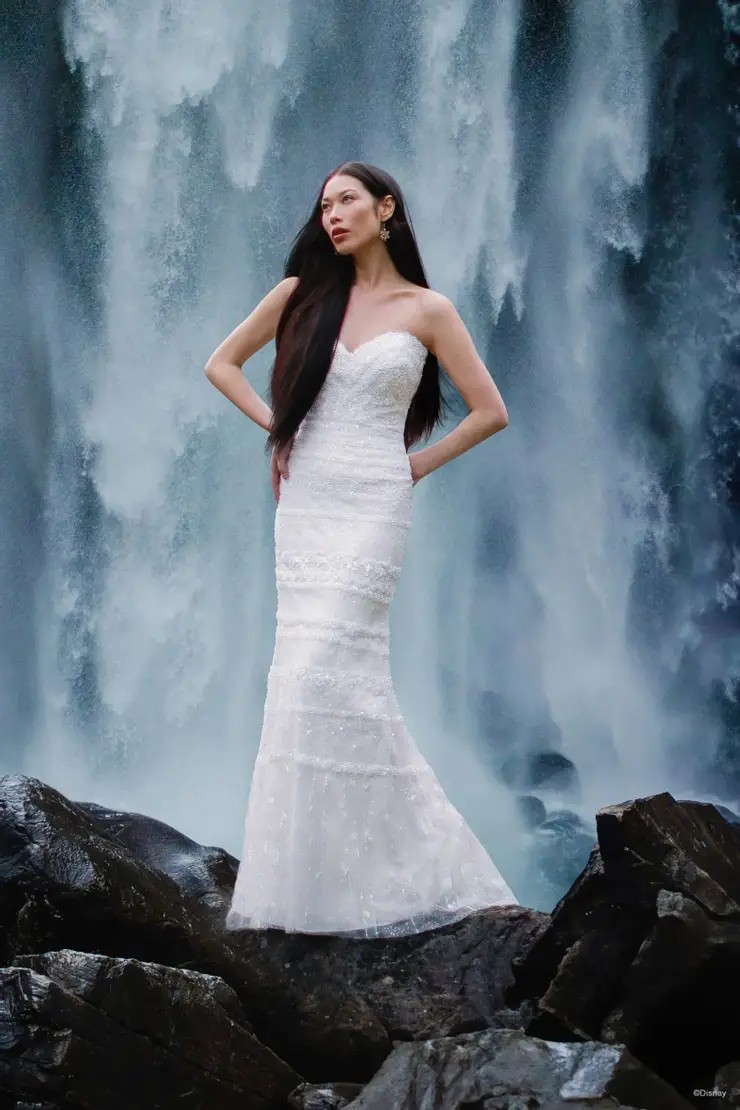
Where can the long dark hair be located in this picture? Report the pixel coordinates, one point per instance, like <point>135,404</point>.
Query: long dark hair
<point>311,320</point>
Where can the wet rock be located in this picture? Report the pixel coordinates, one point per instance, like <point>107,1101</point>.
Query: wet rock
<point>641,954</point>
<point>99,1031</point>
<point>67,883</point>
<point>323,1096</point>
<point>644,949</point>
<point>508,1070</point>
<point>444,981</point>
<point>531,809</point>
<point>327,1006</point>
<point>205,872</point>
<point>541,770</point>
<point>725,1089</point>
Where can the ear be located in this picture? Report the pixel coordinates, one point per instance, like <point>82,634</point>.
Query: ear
<point>387,207</point>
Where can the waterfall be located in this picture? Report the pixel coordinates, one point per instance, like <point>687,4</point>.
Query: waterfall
<point>564,635</point>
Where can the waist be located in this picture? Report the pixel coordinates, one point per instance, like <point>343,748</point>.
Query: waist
<point>323,451</point>
<point>369,438</point>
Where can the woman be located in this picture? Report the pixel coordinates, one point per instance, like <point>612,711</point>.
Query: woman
<point>347,829</point>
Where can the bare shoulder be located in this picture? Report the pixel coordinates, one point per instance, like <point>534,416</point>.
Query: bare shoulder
<point>437,304</point>
<point>436,313</point>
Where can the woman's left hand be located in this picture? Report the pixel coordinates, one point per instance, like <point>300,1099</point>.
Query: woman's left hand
<point>416,467</point>
<point>279,466</point>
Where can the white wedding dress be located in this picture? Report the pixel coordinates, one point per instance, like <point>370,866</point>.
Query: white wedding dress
<point>348,831</point>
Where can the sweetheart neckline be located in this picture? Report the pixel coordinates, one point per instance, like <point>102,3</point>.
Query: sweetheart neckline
<point>381,335</point>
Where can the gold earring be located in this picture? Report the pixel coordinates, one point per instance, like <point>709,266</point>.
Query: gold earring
<point>384,233</point>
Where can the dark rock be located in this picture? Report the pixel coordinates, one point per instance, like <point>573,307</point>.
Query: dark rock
<point>9,1102</point>
<point>725,1089</point>
<point>206,873</point>
<point>504,1069</point>
<point>96,1031</point>
<point>644,949</point>
<point>449,980</point>
<point>531,809</point>
<point>551,770</point>
<point>65,883</point>
<point>537,771</point>
<point>728,814</point>
<point>564,822</point>
<point>642,952</point>
<point>327,1005</point>
<point>323,1096</point>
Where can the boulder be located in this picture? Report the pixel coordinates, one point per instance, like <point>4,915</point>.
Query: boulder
<point>205,872</point>
<point>440,982</point>
<point>506,1070</point>
<point>323,1096</point>
<point>641,957</point>
<point>725,1089</point>
<point>644,949</point>
<point>86,878</point>
<point>66,883</point>
<point>99,1031</point>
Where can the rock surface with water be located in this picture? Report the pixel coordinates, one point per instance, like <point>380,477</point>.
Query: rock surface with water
<point>121,988</point>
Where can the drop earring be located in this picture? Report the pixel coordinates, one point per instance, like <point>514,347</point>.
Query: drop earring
<point>384,233</point>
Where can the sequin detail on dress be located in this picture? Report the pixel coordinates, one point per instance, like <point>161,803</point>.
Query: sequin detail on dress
<point>347,830</point>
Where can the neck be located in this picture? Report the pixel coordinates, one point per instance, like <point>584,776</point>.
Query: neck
<point>373,267</point>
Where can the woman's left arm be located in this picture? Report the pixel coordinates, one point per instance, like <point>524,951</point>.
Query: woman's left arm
<point>450,341</point>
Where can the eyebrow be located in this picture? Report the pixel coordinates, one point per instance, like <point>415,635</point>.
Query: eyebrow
<point>346,189</point>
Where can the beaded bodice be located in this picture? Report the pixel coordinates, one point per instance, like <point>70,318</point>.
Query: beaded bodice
<point>373,385</point>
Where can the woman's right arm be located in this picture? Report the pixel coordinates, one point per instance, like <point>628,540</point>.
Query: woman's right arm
<point>224,367</point>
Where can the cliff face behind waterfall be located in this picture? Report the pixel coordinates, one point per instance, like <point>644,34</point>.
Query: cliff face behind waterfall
<point>570,598</point>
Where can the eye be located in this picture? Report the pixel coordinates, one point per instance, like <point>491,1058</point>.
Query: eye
<point>324,205</point>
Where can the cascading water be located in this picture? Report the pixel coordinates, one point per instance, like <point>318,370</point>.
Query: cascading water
<point>565,631</point>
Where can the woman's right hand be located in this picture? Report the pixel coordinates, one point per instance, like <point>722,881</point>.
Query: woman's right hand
<point>279,466</point>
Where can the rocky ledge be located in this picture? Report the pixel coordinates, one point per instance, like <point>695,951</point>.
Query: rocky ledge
<point>122,991</point>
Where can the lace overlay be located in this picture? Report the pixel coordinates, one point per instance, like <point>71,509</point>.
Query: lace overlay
<point>348,830</point>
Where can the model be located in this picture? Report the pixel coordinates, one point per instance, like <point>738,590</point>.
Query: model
<point>347,830</point>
